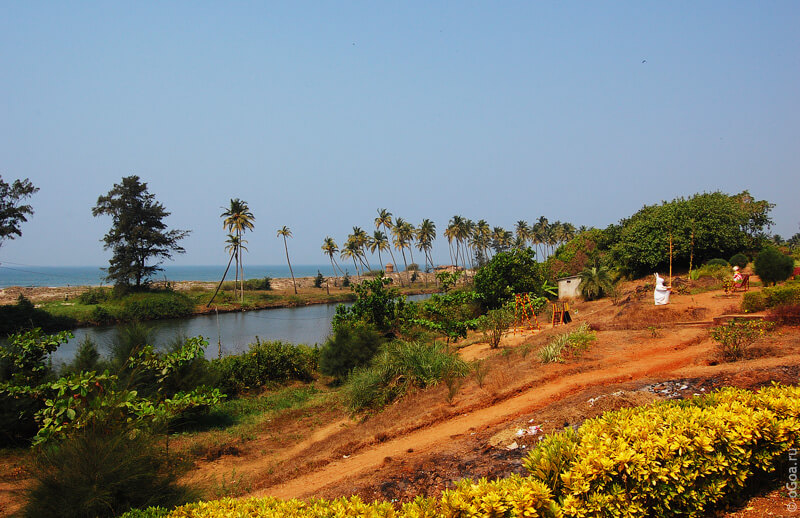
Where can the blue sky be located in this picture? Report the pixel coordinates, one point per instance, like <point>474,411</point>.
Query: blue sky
<point>318,113</point>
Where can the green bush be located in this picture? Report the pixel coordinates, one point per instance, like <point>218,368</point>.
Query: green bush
<point>717,262</point>
<point>95,296</point>
<point>508,273</point>
<point>23,316</point>
<point>156,305</point>
<point>376,304</point>
<point>258,284</point>
<point>101,316</point>
<point>97,474</point>
<point>494,323</point>
<point>350,346</point>
<point>264,363</point>
<point>772,266</point>
<point>398,366</point>
<point>739,260</point>
<point>754,301</point>
<point>318,280</point>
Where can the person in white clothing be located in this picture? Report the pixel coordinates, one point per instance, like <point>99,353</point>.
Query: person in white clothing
<point>661,293</point>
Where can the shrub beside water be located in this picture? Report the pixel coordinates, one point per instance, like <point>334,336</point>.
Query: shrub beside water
<point>152,306</point>
<point>264,363</point>
<point>350,346</point>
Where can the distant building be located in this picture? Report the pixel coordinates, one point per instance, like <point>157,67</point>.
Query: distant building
<point>389,268</point>
<point>568,287</point>
<point>449,268</point>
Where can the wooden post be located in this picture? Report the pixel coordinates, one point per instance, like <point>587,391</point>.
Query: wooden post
<point>670,258</point>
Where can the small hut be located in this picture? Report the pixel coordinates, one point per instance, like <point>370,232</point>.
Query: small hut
<point>568,287</point>
<point>389,268</point>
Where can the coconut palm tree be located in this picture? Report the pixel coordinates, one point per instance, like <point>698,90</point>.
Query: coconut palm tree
<point>238,220</point>
<point>362,242</point>
<point>380,243</point>
<point>351,251</point>
<point>501,239</point>
<point>402,231</point>
<point>596,282</point>
<point>539,231</point>
<point>233,247</point>
<point>384,220</point>
<point>286,232</point>
<point>523,232</point>
<point>426,233</point>
<point>330,248</point>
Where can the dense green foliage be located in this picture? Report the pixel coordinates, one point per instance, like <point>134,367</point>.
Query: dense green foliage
<point>772,266</point>
<point>507,273</point>
<point>596,282</point>
<point>350,346</point>
<point>717,262</point>
<point>398,367</point>
<point>98,473</point>
<point>704,226</point>
<point>376,304</point>
<point>152,306</point>
<point>138,234</point>
<point>12,211</point>
<point>494,323</point>
<point>753,301</point>
<point>452,314</point>
<point>265,363</point>
<point>23,315</point>
<point>739,260</point>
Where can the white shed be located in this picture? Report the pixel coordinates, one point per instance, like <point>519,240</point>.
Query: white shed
<point>568,287</point>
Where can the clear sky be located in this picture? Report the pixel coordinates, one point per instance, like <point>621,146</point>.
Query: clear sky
<point>319,113</point>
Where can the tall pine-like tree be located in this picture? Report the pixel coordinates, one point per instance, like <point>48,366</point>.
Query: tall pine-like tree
<point>138,236</point>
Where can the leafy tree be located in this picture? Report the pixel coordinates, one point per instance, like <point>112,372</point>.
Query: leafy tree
<point>12,212</point>
<point>318,280</point>
<point>772,266</point>
<point>350,347</point>
<point>285,232</point>
<point>507,273</point>
<point>739,260</point>
<point>138,233</point>
<point>376,304</point>
<point>702,227</point>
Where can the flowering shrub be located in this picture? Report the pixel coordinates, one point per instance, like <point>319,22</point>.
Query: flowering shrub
<point>734,338</point>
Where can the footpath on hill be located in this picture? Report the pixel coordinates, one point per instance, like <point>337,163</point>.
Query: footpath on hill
<point>424,443</point>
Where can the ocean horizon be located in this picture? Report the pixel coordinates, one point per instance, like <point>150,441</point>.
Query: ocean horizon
<point>34,276</point>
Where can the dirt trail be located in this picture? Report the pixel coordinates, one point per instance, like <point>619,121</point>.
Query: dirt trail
<point>422,441</point>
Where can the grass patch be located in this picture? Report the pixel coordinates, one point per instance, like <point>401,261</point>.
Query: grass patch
<point>572,344</point>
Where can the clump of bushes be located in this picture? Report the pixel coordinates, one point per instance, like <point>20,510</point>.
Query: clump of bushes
<point>100,472</point>
<point>24,315</point>
<point>772,266</point>
<point>739,260</point>
<point>152,306</point>
<point>494,323</point>
<point>265,363</point>
<point>507,273</point>
<point>717,262</point>
<point>754,301</point>
<point>95,295</point>
<point>258,284</point>
<point>399,366</point>
<point>350,346</point>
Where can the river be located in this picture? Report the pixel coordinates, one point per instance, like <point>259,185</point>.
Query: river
<point>234,331</point>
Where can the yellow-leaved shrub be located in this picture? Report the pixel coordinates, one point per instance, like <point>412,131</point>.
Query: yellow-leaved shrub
<point>665,459</point>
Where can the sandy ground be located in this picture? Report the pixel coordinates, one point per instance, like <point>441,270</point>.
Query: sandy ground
<point>425,442</point>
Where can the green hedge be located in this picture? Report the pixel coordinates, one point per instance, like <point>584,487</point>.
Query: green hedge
<point>674,458</point>
<point>771,297</point>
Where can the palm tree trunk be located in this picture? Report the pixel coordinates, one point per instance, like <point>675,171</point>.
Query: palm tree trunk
<point>286,247</point>
<point>223,279</point>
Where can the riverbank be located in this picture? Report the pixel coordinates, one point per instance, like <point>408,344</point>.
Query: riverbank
<point>64,301</point>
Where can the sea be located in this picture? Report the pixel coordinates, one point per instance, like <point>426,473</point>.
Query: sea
<point>13,274</point>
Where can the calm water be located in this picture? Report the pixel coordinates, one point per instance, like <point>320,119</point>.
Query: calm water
<point>307,325</point>
<point>12,274</point>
